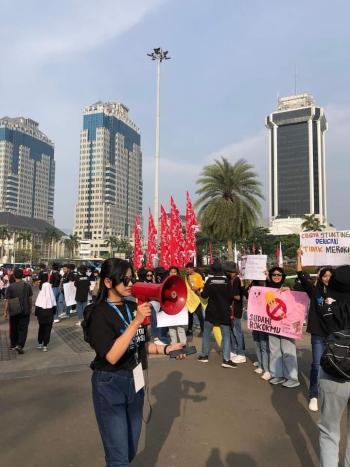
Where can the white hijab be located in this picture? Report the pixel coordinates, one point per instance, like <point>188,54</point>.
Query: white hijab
<point>46,298</point>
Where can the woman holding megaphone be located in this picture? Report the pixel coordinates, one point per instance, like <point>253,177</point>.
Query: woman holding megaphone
<point>113,327</point>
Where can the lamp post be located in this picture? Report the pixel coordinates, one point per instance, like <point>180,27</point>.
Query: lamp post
<point>157,55</point>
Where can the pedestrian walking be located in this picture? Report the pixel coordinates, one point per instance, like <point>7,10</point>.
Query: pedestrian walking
<point>45,308</point>
<point>18,307</point>
<point>55,281</point>
<point>82,285</point>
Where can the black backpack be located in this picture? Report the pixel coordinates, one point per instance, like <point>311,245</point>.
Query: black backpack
<point>336,358</point>
<point>86,322</point>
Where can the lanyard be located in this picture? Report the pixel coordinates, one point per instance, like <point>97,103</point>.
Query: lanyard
<point>126,324</point>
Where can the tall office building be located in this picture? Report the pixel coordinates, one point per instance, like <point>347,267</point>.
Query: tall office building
<point>110,176</point>
<point>27,169</point>
<point>297,178</point>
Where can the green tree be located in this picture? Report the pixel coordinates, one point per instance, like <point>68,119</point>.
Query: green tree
<point>25,237</point>
<point>229,201</point>
<point>4,235</point>
<point>51,236</point>
<point>312,223</point>
<point>113,242</point>
<point>71,243</point>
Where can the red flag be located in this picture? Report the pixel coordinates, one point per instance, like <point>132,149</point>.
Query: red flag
<point>191,229</point>
<point>151,242</point>
<point>176,236</point>
<point>138,255</point>
<point>164,239</point>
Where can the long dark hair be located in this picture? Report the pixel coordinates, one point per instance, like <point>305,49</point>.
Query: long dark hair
<point>115,270</point>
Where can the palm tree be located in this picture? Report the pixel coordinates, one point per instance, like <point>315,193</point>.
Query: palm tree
<point>24,237</point>
<point>312,223</point>
<point>229,201</point>
<point>71,243</point>
<point>112,242</point>
<point>50,236</point>
<point>4,235</point>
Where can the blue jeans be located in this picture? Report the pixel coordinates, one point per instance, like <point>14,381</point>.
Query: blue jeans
<point>318,345</point>
<point>283,358</point>
<point>80,310</point>
<point>226,339</point>
<point>118,411</point>
<point>262,349</point>
<point>56,291</point>
<point>237,338</point>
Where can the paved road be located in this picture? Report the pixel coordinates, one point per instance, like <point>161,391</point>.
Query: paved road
<point>202,415</point>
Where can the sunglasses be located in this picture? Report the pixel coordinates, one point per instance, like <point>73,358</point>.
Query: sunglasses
<point>276,275</point>
<point>126,281</point>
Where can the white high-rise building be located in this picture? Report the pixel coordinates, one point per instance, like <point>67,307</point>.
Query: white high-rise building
<point>27,169</point>
<point>297,171</point>
<point>110,177</point>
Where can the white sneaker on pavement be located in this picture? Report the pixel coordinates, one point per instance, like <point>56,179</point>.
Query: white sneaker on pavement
<point>313,404</point>
<point>256,364</point>
<point>239,359</point>
<point>56,321</point>
<point>39,346</point>
<point>258,371</point>
<point>266,376</point>
<point>232,355</point>
<point>78,323</point>
<point>158,341</point>
<point>44,348</point>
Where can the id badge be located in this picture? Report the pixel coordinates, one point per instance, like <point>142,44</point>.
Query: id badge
<point>139,380</point>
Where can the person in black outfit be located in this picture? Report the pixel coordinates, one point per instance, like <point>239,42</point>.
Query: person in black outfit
<point>19,324</point>
<point>82,284</point>
<point>237,338</point>
<point>45,306</point>
<point>68,276</point>
<point>317,293</point>
<point>218,291</point>
<point>113,327</point>
<point>55,280</point>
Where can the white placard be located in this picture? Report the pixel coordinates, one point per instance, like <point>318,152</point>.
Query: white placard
<point>325,248</point>
<point>139,379</point>
<point>164,320</point>
<point>69,293</point>
<point>254,267</point>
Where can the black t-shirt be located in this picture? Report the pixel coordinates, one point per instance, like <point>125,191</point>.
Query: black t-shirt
<point>237,304</point>
<point>104,326</point>
<point>23,291</point>
<point>55,279</point>
<point>82,284</point>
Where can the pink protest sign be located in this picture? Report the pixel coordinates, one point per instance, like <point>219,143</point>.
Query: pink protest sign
<point>276,312</point>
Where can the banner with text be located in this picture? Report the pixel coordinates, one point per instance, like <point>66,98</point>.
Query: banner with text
<point>325,248</point>
<point>254,267</point>
<point>276,312</point>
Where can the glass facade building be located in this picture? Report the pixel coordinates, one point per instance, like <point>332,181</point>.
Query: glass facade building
<point>27,169</point>
<point>297,179</point>
<point>110,174</point>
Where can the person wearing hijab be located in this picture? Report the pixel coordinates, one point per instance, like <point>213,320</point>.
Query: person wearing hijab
<point>317,293</point>
<point>45,307</point>
<point>283,351</point>
<point>334,393</point>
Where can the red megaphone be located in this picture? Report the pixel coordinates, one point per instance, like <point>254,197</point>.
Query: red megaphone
<point>171,294</point>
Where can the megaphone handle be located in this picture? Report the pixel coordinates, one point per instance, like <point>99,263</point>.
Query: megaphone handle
<point>147,320</point>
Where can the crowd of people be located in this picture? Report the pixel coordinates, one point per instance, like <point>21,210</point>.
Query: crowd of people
<point>215,300</point>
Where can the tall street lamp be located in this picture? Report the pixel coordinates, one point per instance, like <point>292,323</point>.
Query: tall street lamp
<point>157,55</point>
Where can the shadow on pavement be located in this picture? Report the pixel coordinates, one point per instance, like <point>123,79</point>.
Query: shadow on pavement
<point>168,395</point>
<point>233,459</point>
<point>299,424</point>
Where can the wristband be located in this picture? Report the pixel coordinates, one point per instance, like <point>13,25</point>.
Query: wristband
<point>165,347</point>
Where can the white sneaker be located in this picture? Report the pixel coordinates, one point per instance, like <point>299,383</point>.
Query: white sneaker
<point>73,312</point>
<point>256,364</point>
<point>158,341</point>
<point>266,376</point>
<point>258,371</point>
<point>313,404</point>
<point>62,315</point>
<point>56,321</point>
<point>44,348</point>
<point>239,359</point>
<point>40,346</point>
<point>78,323</point>
<point>232,355</point>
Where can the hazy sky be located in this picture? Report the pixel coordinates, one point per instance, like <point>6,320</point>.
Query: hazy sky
<point>230,61</point>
